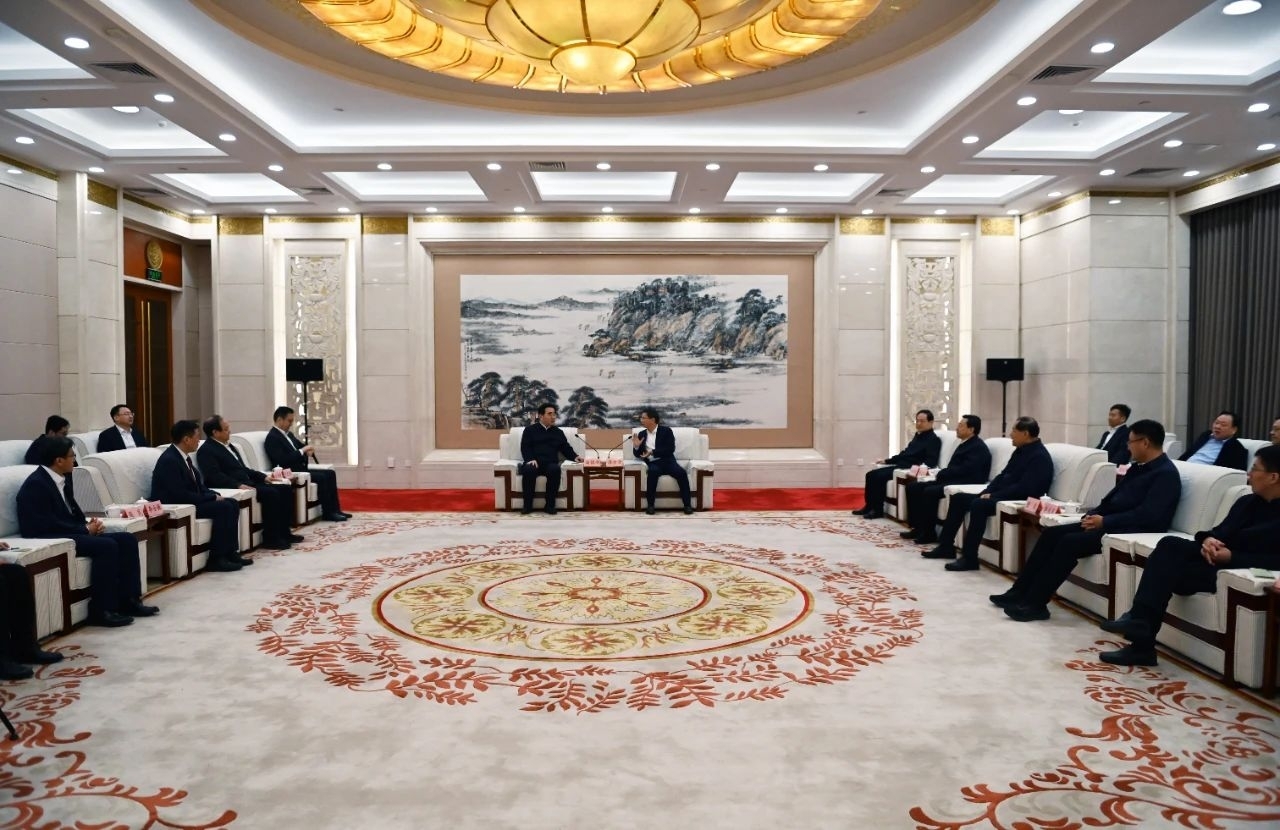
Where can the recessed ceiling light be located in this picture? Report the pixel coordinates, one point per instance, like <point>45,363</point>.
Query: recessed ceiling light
<point>867,211</point>
<point>1102,48</point>
<point>1114,202</point>
<point>1191,173</point>
<point>344,210</point>
<point>780,210</point>
<point>1026,100</point>
<point>128,109</point>
<point>969,139</point>
<point>1055,194</point>
<point>13,171</point>
<point>940,211</point>
<point>606,209</point>
<point>1268,146</point>
<point>226,137</point>
<point>928,168</point>
<point>384,165</point>
<point>713,166</point>
<point>197,211</point>
<point>1069,112</point>
<point>518,209</point>
<point>821,168</point>
<point>1234,8</point>
<point>1259,107</point>
<point>432,209</point>
<point>493,165</point>
<point>1013,212</point>
<point>695,210</point>
<point>22,139</point>
<point>95,169</point>
<point>76,43</point>
<point>94,212</point>
<point>163,97</point>
<point>275,168</point>
<point>1173,142</point>
<point>1107,172</point>
<point>270,210</point>
<point>603,165</point>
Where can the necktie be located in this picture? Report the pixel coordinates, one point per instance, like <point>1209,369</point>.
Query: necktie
<point>69,493</point>
<point>236,453</point>
<point>191,468</point>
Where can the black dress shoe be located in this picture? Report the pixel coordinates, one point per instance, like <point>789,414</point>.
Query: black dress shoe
<point>908,534</point>
<point>940,552</point>
<point>927,540</point>
<point>1027,613</point>
<point>40,657</point>
<point>109,619</point>
<point>344,514</point>
<point>525,511</point>
<point>137,609</point>
<point>873,514</point>
<point>1005,600</point>
<point>335,517</point>
<point>276,544</point>
<point>550,511</point>
<point>221,565</point>
<point>294,537</point>
<point>861,511</point>
<point>10,670</point>
<point>1130,655</point>
<point>963,565</point>
<point>1129,628</point>
<point>688,511</point>
<point>240,560</point>
<point>650,510</point>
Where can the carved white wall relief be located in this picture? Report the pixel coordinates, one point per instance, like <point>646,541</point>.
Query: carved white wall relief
<point>316,325</point>
<point>929,329</point>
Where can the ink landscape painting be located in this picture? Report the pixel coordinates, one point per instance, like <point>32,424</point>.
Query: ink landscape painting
<point>707,351</point>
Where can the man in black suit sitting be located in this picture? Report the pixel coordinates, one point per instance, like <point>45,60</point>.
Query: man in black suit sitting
<point>925,447</point>
<point>18,642</point>
<point>55,426</point>
<point>1116,439</point>
<point>223,468</point>
<point>47,509</point>
<point>122,436</point>
<point>284,449</point>
<point>1220,444</point>
<point>969,464</point>
<point>175,480</point>
<point>541,445</point>
<point>656,446</point>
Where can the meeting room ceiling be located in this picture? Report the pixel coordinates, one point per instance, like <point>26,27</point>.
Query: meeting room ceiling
<point>916,107</point>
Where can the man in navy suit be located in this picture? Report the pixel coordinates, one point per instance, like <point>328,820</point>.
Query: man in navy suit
<point>541,446</point>
<point>969,464</point>
<point>656,446</point>
<point>1220,444</point>
<point>122,436</point>
<point>176,480</point>
<point>925,447</point>
<point>18,642</point>
<point>1143,501</point>
<point>55,426</point>
<point>1116,439</point>
<point>284,449</point>
<point>1028,473</point>
<point>47,509</point>
<point>223,468</point>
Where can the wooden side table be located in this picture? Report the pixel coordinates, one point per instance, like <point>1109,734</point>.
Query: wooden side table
<point>602,474</point>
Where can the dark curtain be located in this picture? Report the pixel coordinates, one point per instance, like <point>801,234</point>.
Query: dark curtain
<point>1235,314</point>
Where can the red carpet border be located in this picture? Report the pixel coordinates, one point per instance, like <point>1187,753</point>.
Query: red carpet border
<point>472,500</point>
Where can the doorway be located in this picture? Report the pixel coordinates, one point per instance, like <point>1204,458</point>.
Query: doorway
<point>148,352</point>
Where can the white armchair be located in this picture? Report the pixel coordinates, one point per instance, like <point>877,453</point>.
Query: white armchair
<point>48,561</point>
<point>86,443</point>
<point>13,452</point>
<point>306,498</point>
<point>508,486</point>
<point>693,453</point>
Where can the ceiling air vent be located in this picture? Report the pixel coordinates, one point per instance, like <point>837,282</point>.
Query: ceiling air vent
<point>145,192</point>
<point>1062,74</point>
<point>137,70</point>
<point>893,191</point>
<point>1153,171</point>
<point>313,191</point>
<point>546,166</point>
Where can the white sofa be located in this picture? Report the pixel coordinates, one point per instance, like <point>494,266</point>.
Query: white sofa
<point>306,495</point>
<point>86,443</point>
<point>13,452</point>
<point>508,485</point>
<point>1251,446</point>
<point>895,506</point>
<point>693,453</point>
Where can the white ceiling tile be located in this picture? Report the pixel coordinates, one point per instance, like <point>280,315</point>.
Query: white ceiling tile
<point>604,187</point>
<point>828,188</point>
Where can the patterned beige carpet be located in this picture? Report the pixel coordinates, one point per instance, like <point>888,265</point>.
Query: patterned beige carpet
<point>597,671</point>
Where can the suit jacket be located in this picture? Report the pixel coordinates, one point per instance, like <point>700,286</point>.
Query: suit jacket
<point>284,450</point>
<point>109,439</point>
<point>538,443</point>
<point>664,445</point>
<point>1144,499</point>
<point>969,464</point>
<point>33,451</point>
<point>1233,454</point>
<point>1118,446</point>
<point>42,512</point>
<point>924,448</point>
<point>222,468</point>
<point>1028,473</point>
<point>1249,531</point>
<point>171,481</point>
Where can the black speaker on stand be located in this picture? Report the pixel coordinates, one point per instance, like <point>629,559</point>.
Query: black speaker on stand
<point>1004,369</point>
<point>304,370</point>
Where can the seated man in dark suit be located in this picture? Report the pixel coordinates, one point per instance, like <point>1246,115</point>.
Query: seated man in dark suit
<point>175,480</point>
<point>1116,439</point>
<point>223,468</point>
<point>285,450</point>
<point>1220,444</point>
<point>541,445</point>
<point>925,447</point>
<point>1143,501</point>
<point>47,509</point>
<point>1246,538</point>
<point>55,426</point>
<point>122,436</point>
<point>969,464</point>
<point>1028,473</point>
<point>656,446</point>
<point>18,642</point>
<point>1275,431</point>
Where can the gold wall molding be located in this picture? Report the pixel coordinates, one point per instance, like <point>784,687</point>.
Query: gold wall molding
<point>102,194</point>
<point>996,226</point>
<point>30,168</point>
<point>311,220</point>
<point>1129,194</point>
<point>240,226</point>
<point>862,225</point>
<point>933,220</point>
<point>166,211</point>
<point>391,225</point>
<point>1229,175</point>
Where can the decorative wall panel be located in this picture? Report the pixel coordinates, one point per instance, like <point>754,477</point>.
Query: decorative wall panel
<point>316,325</point>
<point>929,328</point>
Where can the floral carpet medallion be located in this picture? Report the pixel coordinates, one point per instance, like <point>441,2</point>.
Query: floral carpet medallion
<point>589,625</point>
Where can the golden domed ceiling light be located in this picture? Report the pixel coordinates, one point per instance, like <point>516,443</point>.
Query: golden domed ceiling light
<point>593,45</point>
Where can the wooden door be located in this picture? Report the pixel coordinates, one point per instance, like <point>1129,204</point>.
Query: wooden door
<point>148,350</point>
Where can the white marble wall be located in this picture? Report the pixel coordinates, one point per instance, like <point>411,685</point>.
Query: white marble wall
<point>243,390</point>
<point>992,306</point>
<point>28,305</point>
<point>861,357</point>
<point>390,328</point>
